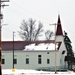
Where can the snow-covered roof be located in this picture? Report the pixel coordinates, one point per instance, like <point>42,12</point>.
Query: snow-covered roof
<point>41,46</point>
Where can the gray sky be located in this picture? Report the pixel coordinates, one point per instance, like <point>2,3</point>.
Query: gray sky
<point>45,11</point>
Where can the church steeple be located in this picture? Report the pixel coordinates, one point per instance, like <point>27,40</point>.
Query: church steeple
<point>59,27</point>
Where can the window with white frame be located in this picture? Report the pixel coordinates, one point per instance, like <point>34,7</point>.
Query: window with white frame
<point>15,61</point>
<point>48,61</point>
<point>27,60</point>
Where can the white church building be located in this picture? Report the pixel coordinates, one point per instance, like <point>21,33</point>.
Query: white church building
<point>38,55</point>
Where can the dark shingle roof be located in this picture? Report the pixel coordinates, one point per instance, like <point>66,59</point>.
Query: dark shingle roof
<point>20,45</point>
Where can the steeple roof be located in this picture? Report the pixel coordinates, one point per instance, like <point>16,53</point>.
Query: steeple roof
<point>59,27</point>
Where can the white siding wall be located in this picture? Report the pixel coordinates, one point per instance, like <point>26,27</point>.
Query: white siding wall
<point>59,38</point>
<point>33,59</point>
<point>63,64</point>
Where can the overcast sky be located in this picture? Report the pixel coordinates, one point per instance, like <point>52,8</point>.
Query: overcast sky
<point>45,11</point>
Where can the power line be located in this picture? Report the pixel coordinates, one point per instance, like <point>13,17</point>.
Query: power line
<point>10,30</point>
<point>25,10</point>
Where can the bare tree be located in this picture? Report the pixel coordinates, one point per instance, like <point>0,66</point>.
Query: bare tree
<point>48,34</point>
<point>29,31</point>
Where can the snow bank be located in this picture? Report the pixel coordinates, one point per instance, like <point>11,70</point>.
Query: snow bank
<point>33,72</point>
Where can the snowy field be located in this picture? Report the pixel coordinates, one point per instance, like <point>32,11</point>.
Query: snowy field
<point>34,72</point>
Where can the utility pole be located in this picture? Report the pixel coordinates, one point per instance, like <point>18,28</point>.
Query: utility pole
<point>0,42</point>
<point>55,46</point>
<point>13,50</point>
<point>1,17</point>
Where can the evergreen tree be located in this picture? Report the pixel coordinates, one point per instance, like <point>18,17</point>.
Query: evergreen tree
<point>70,54</point>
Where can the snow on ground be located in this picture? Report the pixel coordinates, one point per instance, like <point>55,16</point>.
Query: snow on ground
<point>34,72</point>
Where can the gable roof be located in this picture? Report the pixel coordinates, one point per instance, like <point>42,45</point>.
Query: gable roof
<point>59,27</point>
<point>20,45</point>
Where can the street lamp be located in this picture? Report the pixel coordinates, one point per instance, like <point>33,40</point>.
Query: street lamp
<point>13,69</point>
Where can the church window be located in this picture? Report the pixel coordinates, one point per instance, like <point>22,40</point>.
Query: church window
<point>48,61</point>
<point>63,52</point>
<point>27,60</point>
<point>15,61</point>
<point>47,52</point>
<point>39,59</point>
<point>39,56</point>
<point>3,61</point>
